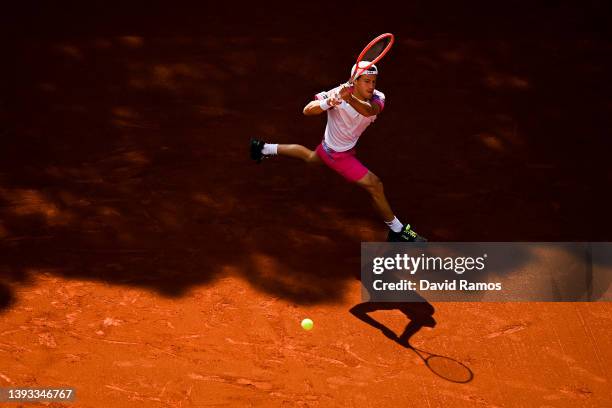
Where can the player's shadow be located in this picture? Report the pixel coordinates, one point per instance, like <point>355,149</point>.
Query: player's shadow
<point>419,314</point>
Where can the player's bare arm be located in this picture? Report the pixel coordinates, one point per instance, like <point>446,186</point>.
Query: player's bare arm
<point>313,108</point>
<point>319,106</point>
<point>365,108</point>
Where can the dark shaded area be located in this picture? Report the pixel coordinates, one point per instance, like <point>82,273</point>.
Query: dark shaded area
<point>124,131</point>
<point>6,297</point>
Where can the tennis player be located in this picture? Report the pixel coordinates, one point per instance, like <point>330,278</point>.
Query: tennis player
<point>350,110</point>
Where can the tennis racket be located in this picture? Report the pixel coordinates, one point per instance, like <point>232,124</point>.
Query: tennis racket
<point>371,54</point>
<point>445,367</point>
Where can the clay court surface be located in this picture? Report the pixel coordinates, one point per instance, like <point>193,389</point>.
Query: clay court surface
<point>145,261</point>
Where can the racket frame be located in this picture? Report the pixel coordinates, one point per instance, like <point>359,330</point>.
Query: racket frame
<point>359,71</point>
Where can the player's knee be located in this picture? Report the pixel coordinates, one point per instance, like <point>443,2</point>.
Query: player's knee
<point>377,183</point>
<point>379,187</point>
<point>374,185</point>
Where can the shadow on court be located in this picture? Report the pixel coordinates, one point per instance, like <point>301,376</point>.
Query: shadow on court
<point>419,314</point>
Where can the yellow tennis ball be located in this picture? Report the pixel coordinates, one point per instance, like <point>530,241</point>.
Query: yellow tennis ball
<point>307,324</point>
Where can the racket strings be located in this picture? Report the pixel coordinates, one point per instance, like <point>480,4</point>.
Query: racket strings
<point>374,52</point>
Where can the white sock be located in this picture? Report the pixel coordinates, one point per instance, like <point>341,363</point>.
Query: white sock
<point>394,224</point>
<point>270,149</point>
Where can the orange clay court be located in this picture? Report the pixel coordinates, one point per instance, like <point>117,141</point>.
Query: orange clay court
<point>146,261</point>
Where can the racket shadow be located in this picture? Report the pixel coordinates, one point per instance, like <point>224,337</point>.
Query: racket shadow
<point>420,315</point>
<point>445,367</point>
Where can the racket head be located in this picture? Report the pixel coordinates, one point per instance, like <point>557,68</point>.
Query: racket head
<point>372,53</point>
<point>449,369</point>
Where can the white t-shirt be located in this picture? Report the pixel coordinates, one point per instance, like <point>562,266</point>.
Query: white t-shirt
<point>344,124</point>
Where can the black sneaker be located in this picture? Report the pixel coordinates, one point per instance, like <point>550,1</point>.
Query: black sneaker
<point>256,147</point>
<point>405,235</point>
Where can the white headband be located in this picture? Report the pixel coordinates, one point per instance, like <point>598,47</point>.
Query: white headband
<point>370,71</point>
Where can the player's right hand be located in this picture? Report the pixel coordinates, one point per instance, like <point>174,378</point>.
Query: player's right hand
<point>334,99</point>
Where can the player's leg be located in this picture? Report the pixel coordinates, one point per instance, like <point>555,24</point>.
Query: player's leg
<point>299,152</point>
<point>349,167</point>
<point>260,149</point>
<point>398,231</point>
<point>374,187</point>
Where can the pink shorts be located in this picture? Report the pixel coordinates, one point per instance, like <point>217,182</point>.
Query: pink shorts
<point>343,163</point>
